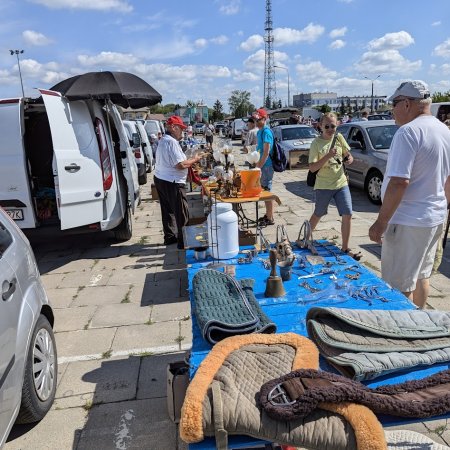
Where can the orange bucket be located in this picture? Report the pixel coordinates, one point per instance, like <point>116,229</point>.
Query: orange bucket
<point>250,183</point>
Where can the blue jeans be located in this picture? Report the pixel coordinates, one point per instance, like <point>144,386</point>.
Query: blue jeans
<point>266,177</point>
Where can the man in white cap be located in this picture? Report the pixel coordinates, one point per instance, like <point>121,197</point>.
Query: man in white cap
<point>415,193</point>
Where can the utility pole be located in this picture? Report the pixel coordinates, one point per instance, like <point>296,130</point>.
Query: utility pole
<point>269,73</point>
<point>17,52</point>
<point>371,96</point>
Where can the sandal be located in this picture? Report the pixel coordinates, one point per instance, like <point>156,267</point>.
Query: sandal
<point>356,256</point>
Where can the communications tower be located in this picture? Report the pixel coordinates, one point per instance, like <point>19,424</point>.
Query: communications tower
<point>269,72</point>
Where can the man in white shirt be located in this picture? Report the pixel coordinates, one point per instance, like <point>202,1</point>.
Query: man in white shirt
<point>170,181</point>
<point>415,193</point>
<point>250,139</point>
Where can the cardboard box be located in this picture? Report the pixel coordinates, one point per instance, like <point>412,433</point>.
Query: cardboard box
<point>177,383</point>
<point>155,195</point>
<point>298,159</point>
<point>246,237</point>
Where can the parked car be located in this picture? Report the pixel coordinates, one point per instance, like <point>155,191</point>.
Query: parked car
<point>28,359</point>
<point>440,110</point>
<point>369,142</point>
<point>135,141</point>
<point>294,137</point>
<point>379,117</point>
<point>235,131</point>
<point>219,126</point>
<point>68,164</point>
<point>153,127</point>
<point>149,161</point>
<point>198,128</point>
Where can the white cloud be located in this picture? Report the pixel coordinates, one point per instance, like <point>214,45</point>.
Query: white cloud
<point>310,34</point>
<point>98,5</point>
<point>200,43</point>
<point>34,38</point>
<point>391,41</point>
<point>219,40</point>
<point>337,32</point>
<point>314,70</point>
<point>443,49</point>
<point>245,76</point>
<point>387,61</point>
<point>252,43</point>
<point>337,44</point>
<point>108,59</point>
<point>229,7</point>
<point>255,62</point>
<point>436,24</point>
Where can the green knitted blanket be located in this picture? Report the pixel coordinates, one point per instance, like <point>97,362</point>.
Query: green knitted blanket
<point>227,307</point>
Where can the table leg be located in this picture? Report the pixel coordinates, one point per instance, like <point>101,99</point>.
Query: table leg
<point>257,238</point>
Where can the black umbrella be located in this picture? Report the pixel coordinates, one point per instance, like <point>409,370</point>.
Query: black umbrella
<point>122,88</point>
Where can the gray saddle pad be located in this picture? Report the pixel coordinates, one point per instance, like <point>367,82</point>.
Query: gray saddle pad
<point>227,307</point>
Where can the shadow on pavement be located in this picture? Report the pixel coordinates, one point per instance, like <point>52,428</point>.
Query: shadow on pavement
<point>128,406</point>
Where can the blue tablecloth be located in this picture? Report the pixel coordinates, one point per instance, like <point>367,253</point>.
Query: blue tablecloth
<point>289,312</point>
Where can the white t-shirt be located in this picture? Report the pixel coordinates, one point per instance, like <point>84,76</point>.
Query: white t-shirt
<point>208,130</point>
<point>420,152</point>
<point>168,155</point>
<point>251,137</point>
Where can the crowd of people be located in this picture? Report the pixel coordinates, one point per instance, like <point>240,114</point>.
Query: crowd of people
<point>415,191</point>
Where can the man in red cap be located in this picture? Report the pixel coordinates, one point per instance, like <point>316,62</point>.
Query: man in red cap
<point>170,181</point>
<point>264,139</point>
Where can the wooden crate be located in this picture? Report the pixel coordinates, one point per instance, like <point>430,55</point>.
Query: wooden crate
<point>298,159</point>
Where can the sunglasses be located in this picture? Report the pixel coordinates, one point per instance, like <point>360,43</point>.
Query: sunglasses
<point>396,102</point>
<point>332,126</point>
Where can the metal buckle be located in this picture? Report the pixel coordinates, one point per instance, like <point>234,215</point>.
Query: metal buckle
<point>276,393</point>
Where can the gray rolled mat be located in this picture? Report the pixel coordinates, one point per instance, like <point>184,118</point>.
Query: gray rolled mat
<point>227,307</point>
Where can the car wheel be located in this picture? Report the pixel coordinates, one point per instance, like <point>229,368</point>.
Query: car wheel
<point>39,385</point>
<point>373,184</point>
<point>124,230</point>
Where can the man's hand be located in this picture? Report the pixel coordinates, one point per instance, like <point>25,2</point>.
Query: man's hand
<point>377,230</point>
<point>348,159</point>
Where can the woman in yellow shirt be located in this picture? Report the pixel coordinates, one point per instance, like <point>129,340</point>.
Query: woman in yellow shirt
<point>331,180</point>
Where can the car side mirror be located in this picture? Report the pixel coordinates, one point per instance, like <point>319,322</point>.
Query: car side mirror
<point>356,145</point>
<point>136,140</point>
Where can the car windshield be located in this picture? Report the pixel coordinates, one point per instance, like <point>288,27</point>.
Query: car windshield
<point>290,134</point>
<point>381,136</point>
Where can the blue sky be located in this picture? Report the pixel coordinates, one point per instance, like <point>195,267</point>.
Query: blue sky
<point>201,50</point>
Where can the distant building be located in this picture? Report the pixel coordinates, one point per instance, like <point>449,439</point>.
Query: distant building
<point>192,114</point>
<point>356,103</point>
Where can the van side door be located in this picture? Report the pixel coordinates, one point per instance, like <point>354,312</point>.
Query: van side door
<point>15,190</point>
<point>76,163</point>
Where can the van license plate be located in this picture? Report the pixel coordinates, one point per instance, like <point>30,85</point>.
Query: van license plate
<point>15,214</point>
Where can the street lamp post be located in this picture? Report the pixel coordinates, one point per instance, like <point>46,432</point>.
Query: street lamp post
<point>17,52</point>
<point>289,93</point>
<point>371,96</point>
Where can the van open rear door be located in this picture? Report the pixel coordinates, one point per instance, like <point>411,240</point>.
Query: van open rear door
<point>76,163</point>
<point>15,194</point>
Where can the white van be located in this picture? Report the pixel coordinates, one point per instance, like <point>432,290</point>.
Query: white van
<point>440,110</point>
<point>154,127</point>
<point>66,163</point>
<point>135,141</point>
<point>236,128</point>
<point>146,147</point>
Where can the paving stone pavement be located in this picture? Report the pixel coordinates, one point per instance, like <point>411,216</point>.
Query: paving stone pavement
<point>122,314</point>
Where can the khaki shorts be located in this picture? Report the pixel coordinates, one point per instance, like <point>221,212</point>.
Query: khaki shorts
<point>407,255</point>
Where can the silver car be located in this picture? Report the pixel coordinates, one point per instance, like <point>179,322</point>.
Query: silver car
<point>370,142</point>
<point>294,137</point>
<point>28,367</point>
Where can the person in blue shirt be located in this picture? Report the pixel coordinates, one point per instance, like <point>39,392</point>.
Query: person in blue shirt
<point>264,147</point>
